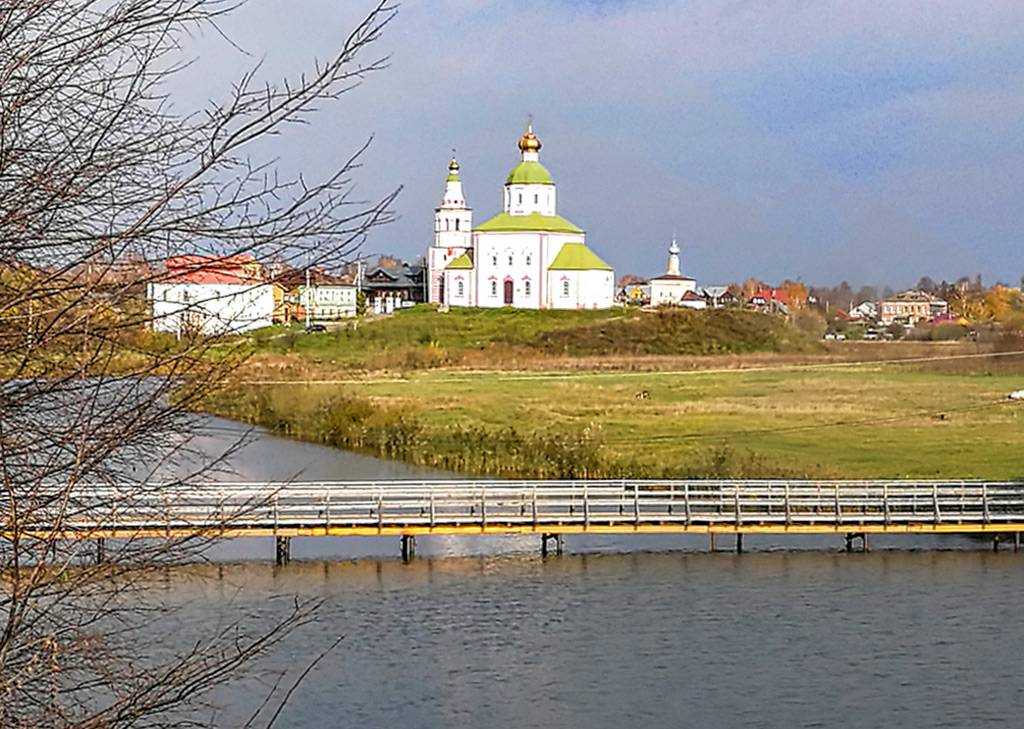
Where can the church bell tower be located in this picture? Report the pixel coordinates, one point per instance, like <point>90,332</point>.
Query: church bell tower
<point>453,226</point>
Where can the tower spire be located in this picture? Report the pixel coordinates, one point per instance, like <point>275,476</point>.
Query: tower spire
<point>673,258</point>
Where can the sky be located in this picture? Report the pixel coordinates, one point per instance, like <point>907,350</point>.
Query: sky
<point>812,140</point>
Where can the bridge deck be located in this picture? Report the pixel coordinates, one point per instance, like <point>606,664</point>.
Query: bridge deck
<point>526,507</point>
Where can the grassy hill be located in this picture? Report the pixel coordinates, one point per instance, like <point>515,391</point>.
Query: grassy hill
<point>422,338</point>
<point>680,331</point>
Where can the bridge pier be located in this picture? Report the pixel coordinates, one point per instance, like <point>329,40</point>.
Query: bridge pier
<point>283,551</point>
<point>714,542</point>
<point>739,542</point>
<point>851,537</point>
<point>408,547</point>
<point>556,538</point>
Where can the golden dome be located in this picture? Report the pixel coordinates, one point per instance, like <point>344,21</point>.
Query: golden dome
<point>453,167</point>
<point>528,142</point>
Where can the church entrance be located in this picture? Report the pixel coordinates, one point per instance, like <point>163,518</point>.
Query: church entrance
<point>508,293</point>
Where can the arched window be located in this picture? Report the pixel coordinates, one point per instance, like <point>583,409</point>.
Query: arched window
<point>510,261</point>
<point>528,259</point>
<point>520,198</point>
<point>526,288</point>
<point>460,288</point>
<point>494,288</point>
<point>456,223</point>
<point>494,259</point>
<point>536,199</point>
<point>565,287</point>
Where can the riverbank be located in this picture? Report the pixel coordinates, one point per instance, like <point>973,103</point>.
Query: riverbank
<point>868,410</point>
<point>867,422</point>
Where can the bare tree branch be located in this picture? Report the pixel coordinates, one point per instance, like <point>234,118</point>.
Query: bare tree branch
<point>99,183</point>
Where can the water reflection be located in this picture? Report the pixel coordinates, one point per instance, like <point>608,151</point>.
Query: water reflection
<point>602,640</point>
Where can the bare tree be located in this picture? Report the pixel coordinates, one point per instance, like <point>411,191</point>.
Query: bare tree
<point>99,183</point>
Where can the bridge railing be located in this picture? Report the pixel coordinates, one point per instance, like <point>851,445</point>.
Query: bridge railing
<point>536,504</point>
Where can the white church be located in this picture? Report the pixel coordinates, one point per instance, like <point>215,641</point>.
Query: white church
<point>526,257</point>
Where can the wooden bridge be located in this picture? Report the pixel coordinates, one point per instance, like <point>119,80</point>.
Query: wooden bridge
<point>547,508</point>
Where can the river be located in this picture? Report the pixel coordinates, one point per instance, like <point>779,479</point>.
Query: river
<point>622,631</point>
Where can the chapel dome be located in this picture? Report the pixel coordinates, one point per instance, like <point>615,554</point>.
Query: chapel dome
<point>528,142</point>
<point>529,173</point>
<point>453,170</point>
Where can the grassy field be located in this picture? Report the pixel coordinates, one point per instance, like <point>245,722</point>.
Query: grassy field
<point>866,421</point>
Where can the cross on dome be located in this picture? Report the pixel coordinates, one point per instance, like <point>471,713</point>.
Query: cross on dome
<point>529,142</point>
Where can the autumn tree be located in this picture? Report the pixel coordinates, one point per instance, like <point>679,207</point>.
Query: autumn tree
<point>999,300</point>
<point>99,182</point>
<point>796,293</point>
<point>967,303</point>
<point>751,286</point>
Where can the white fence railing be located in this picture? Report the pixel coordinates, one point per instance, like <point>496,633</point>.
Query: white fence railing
<point>525,504</point>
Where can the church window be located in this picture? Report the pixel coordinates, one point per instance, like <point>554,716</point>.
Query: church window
<point>460,288</point>
<point>565,288</point>
<point>510,259</point>
<point>456,223</point>
<point>536,199</point>
<point>494,288</point>
<point>526,287</point>
<point>494,259</point>
<point>447,224</point>
<point>520,198</point>
<point>528,259</point>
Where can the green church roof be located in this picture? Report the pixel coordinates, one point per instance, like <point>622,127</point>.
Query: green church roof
<point>452,178</point>
<point>505,223</point>
<point>577,257</point>
<point>463,261</point>
<point>529,173</point>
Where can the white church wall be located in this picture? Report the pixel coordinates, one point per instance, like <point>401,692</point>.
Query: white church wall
<point>597,289</point>
<point>526,199</point>
<point>671,292</point>
<point>458,288</point>
<point>564,289</point>
<point>509,259</point>
<point>437,259</point>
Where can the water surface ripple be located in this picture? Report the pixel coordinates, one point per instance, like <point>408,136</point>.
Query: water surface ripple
<point>811,639</point>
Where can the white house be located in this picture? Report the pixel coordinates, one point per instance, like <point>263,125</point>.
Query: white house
<point>211,295</point>
<point>527,256</point>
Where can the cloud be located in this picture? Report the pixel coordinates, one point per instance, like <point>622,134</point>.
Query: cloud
<point>822,139</point>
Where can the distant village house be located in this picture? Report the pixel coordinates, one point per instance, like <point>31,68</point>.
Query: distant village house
<point>393,287</point>
<point>211,295</point>
<point>910,308</point>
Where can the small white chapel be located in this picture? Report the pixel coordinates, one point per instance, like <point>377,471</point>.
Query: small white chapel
<point>526,257</point>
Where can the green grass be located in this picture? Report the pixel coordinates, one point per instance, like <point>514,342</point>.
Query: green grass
<point>858,422</point>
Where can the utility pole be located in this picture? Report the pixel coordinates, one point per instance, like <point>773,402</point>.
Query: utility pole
<point>307,296</point>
